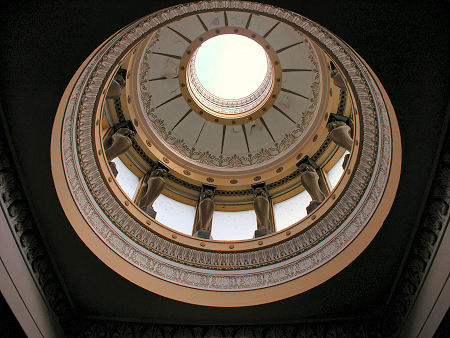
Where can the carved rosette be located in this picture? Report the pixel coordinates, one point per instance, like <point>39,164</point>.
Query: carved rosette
<point>235,271</point>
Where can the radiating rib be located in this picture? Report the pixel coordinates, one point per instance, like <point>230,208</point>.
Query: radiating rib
<point>285,115</point>
<point>287,47</point>
<point>171,99</point>
<point>201,130</point>
<point>201,21</point>
<point>246,140</point>
<point>184,116</point>
<point>294,93</point>
<point>159,78</point>
<point>224,129</point>
<point>296,70</point>
<point>180,35</point>
<point>270,30</point>
<point>168,55</point>
<point>265,126</point>
<point>248,21</point>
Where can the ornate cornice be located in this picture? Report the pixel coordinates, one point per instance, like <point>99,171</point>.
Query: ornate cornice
<point>432,227</point>
<point>363,328</point>
<point>17,212</point>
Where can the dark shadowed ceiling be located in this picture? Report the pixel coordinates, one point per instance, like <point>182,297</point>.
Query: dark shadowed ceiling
<point>406,43</point>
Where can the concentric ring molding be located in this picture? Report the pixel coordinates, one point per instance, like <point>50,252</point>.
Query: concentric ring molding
<point>183,269</point>
<point>271,90</point>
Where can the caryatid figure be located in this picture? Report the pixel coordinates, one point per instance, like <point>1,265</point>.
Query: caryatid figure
<point>114,90</point>
<point>337,79</point>
<point>205,213</point>
<point>261,204</point>
<point>340,133</point>
<point>116,86</point>
<point>155,185</point>
<point>120,143</point>
<point>310,180</point>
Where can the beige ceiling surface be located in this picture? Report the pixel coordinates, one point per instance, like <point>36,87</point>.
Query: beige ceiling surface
<point>284,126</point>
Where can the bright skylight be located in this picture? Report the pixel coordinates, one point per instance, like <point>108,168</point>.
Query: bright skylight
<point>233,225</point>
<point>231,66</point>
<point>335,173</point>
<point>291,210</point>
<point>182,220</point>
<point>126,179</point>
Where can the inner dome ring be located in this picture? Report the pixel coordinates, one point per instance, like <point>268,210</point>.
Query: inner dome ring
<point>229,111</point>
<point>98,215</point>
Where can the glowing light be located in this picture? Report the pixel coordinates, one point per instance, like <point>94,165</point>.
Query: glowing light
<point>291,210</point>
<point>335,173</point>
<point>231,66</point>
<point>126,179</point>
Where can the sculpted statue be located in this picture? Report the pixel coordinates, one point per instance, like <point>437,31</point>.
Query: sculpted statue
<point>120,143</point>
<point>155,185</point>
<point>205,209</point>
<point>340,133</point>
<point>310,180</point>
<point>114,90</point>
<point>261,204</point>
<point>337,79</point>
<point>116,86</point>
